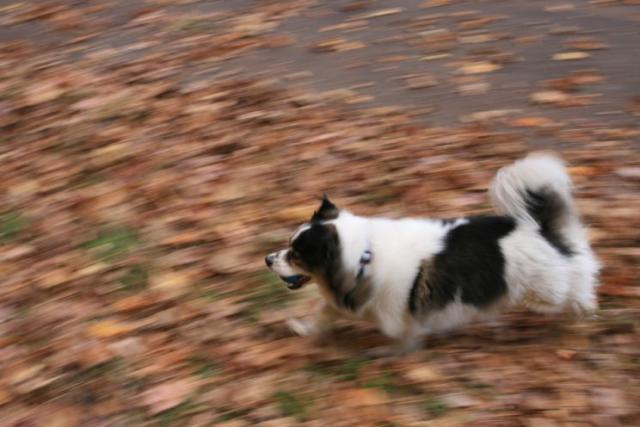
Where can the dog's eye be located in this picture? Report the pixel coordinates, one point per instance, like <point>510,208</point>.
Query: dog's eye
<point>294,255</point>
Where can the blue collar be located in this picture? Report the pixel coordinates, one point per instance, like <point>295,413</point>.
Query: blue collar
<point>365,259</point>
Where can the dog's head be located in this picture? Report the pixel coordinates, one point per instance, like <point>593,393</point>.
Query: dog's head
<point>313,251</point>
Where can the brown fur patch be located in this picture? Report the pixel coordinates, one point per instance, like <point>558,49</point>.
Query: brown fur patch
<point>420,292</point>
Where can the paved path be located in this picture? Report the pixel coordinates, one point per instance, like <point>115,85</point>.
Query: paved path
<point>438,46</point>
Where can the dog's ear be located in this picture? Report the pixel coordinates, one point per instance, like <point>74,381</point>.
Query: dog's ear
<point>326,212</point>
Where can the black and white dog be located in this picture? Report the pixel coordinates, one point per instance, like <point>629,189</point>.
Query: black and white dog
<point>413,277</point>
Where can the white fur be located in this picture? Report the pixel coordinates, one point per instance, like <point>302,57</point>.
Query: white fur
<point>537,276</point>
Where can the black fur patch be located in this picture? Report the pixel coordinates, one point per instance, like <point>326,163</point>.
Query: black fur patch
<point>419,297</point>
<point>547,208</point>
<point>319,252</point>
<point>471,265</point>
<point>318,248</point>
<point>327,211</point>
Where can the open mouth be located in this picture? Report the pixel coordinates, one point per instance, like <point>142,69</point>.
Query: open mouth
<point>296,281</point>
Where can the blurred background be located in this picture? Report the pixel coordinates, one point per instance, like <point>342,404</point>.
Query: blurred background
<point>153,151</point>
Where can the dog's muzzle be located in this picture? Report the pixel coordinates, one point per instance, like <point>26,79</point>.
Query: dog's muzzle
<point>293,281</point>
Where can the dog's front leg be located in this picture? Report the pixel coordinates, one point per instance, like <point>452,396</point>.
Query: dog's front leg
<point>406,342</point>
<point>400,347</point>
<point>317,326</point>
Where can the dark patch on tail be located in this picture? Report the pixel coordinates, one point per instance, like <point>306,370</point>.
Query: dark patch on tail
<point>546,208</point>
<point>470,265</point>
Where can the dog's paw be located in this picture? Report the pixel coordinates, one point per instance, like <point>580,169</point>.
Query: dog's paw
<point>304,328</point>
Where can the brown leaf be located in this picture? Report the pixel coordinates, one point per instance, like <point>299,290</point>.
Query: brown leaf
<point>421,81</point>
<point>570,56</point>
<point>531,122</point>
<point>183,238</point>
<point>549,97</point>
<point>170,283</point>
<point>357,397</point>
<point>5,396</point>
<point>378,13</point>
<point>95,353</point>
<point>336,45</point>
<point>584,171</point>
<point>459,400</point>
<point>585,43</point>
<point>54,278</point>
<point>227,261</point>
<point>64,417</point>
<point>566,354</point>
<point>43,92</point>
<point>280,40</point>
<point>355,6</point>
<point>108,329</point>
<point>167,395</point>
<point>134,303</point>
<point>423,374</point>
<point>480,67</point>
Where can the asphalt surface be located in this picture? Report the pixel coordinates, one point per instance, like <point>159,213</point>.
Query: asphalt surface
<point>394,45</point>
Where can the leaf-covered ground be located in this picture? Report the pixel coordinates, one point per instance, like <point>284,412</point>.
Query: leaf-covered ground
<point>152,152</point>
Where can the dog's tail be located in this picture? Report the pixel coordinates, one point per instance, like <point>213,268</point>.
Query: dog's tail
<point>537,189</point>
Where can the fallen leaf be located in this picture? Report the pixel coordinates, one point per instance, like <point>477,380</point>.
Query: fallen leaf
<point>5,396</point>
<point>549,97</point>
<point>54,278</point>
<point>357,397</point>
<point>459,400</point>
<point>477,88</point>
<point>480,116</point>
<point>566,354</point>
<point>64,417</point>
<point>42,92</point>
<point>108,329</point>
<point>423,374</point>
<point>134,303</point>
<point>531,122</point>
<point>378,13</point>
<point>167,395</point>
<point>570,56</point>
<point>336,45</point>
<point>585,43</point>
<point>172,283</point>
<point>583,171</point>
<point>421,81</point>
<point>479,67</point>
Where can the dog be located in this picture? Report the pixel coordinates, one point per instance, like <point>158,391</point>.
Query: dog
<point>414,277</point>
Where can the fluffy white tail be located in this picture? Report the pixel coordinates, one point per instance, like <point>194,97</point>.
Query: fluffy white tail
<point>537,189</point>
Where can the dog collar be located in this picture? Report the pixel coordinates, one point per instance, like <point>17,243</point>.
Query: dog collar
<point>365,259</point>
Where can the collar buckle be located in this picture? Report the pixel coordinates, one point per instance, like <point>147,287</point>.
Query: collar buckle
<point>365,259</point>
